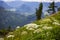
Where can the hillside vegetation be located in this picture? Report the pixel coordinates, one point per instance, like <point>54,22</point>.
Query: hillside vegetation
<point>44,29</point>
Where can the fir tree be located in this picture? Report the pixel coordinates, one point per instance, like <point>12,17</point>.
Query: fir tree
<point>52,8</point>
<point>39,11</point>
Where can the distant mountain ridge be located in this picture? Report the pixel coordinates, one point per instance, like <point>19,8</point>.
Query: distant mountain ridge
<point>5,5</point>
<point>29,7</point>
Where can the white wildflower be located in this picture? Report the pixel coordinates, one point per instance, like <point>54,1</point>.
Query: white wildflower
<point>24,32</point>
<point>36,26</point>
<point>56,23</point>
<point>32,25</point>
<point>18,27</point>
<point>31,29</point>
<point>38,31</point>
<point>10,36</point>
<point>46,28</point>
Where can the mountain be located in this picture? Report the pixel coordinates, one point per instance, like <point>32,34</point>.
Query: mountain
<point>4,5</point>
<point>28,7</point>
<point>24,8</point>
<point>21,6</point>
<point>13,19</point>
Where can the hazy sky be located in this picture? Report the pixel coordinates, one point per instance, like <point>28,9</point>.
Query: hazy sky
<point>32,0</point>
